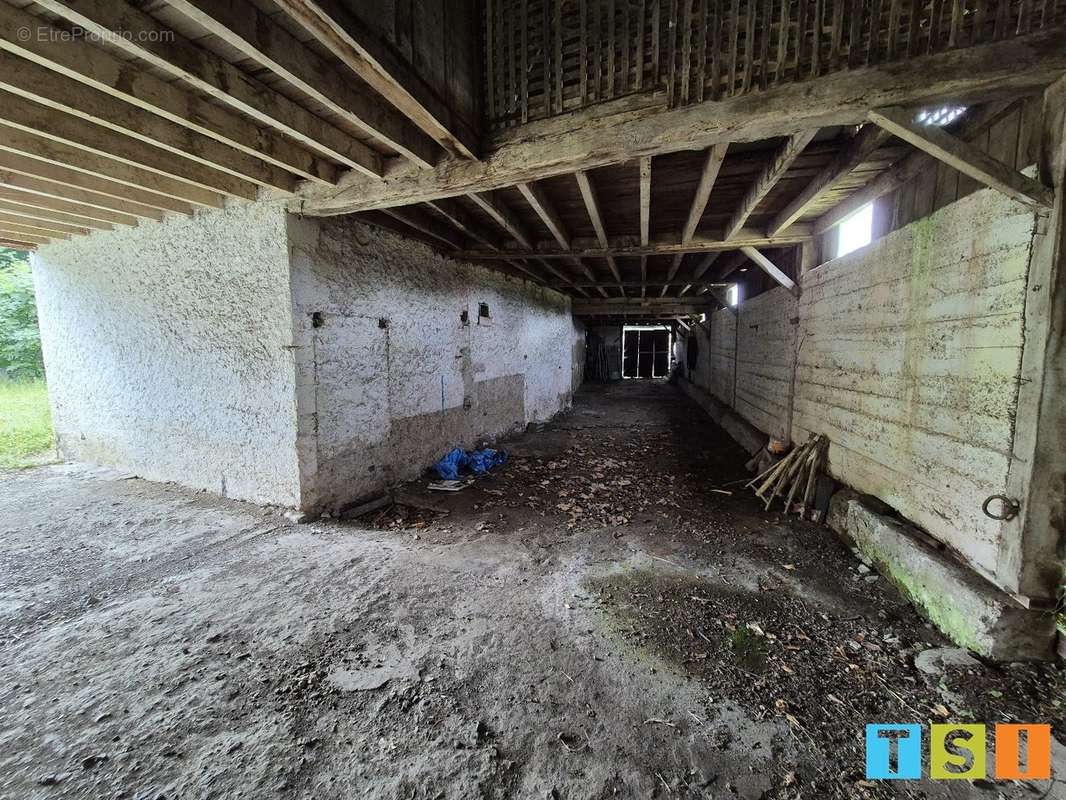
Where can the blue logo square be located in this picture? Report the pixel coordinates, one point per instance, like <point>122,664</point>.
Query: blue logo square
<point>893,752</point>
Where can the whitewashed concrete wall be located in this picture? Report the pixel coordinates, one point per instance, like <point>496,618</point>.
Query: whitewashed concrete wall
<point>166,350</point>
<point>908,356</point>
<point>716,364</point>
<point>766,353</point>
<point>910,364</point>
<point>392,377</point>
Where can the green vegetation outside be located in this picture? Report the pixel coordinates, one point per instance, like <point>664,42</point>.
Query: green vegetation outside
<point>25,420</point>
<point>25,423</point>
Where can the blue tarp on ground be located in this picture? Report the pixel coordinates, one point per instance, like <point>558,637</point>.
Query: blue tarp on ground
<point>477,461</point>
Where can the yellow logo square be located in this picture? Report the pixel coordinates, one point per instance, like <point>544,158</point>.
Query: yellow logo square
<point>956,752</point>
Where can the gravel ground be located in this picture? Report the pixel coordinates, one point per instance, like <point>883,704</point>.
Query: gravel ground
<point>590,621</point>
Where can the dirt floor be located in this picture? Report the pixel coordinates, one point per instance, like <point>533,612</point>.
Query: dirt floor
<point>589,622</point>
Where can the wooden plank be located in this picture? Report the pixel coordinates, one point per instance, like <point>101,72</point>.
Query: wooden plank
<point>624,45</point>
<point>613,133</point>
<point>873,48</point>
<point>816,40</point>
<point>612,46</point>
<point>29,238</point>
<point>558,28</point>
<point>767,179</point>
<point>583,54</point>
<point>48,88</point>
<point>963,157</point>
<point>749,46</point>
<point>656,34</point>
<point>18,229</point>
<point>44,226</point>
<point>32,155</point>
<point>78,59</point>
<point>59,191</point>
<point>490,57</point>
<point>547,213</point>
<point>139,34</point>
<point>592,205</point>
<point>716,51</point>
<point>861,147</point>
<point>645,201</point>
<point>708,175</point>
<point>782,43</point>
<point>242,26</point>
<point>37,201</point>
<point>47,215</point>
<point>630,246</point>
<point>734,53</point>
<point>547,52</point>
<point>699,271</point>
<point>19,113</point>
<point>836,35</point>
<point>686,51</point>
<point>523,54</point>
<point>701,52</point>
<point>351,41</point>
<point>671,54</point>
<point>855,48</point>
<point>894,9</point>
<point>765,32</point>
<point>503,216</point>
<point>642,18</point>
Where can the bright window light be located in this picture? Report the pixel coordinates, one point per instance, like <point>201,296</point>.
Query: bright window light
<point>732,294</point>
<point>939,117</point>
<point>856,231</point>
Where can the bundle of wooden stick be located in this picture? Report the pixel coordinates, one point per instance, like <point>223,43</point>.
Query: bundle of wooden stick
<point>794,476</point>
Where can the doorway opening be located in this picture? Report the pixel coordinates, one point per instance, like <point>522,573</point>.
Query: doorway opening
<point>646,351</point>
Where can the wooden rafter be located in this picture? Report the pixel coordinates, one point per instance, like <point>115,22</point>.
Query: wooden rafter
<point>17,112</point>
<point>964,157</point>
<point>11,221</point>
<point>139,34</point>
<point>242,26</point>
<point>767,179</point>
<point>504,217</point>
<point>771,269</point>
<point>461,221</point>
<point>700,270</point>
<point>547,213</point>
<point>36,201</point>
<point>414,217</point>
<point>592,205</point>
<point>150,188</point>
<point>860,148</point>
<point>712,164</point>
<point>88,105</point>
<point>49,215</point>
<point>60,191</point>
<point>350,40</point>
<point>260,155</point>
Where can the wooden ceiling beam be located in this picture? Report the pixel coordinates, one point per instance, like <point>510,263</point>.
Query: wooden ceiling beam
<point>592,205</point>
<point>771,269</point>
<point>637,126</point>
<point>567,281</point>
<point>59,191</point>
<point>767,179</point>
<point>461,221</point>
<point>351,41</point>
<point>273,159</point>
<point>34,238</point>
<point>47,215</point>
<point>547,213</point>
<point>964,157</point>
<point>30,200</point>
<point>414,217</point>
<point>89,170</point>
<point>141,35</point>
<point>12,221</point>
<point>861,147</point>
<point>700,270</point>
<point>17,112</point>
<point>504,217</point>
<point>14,244</point>
<point>54,91</point>
<point>241,25</point>
<point>628,246</point>
<point>712,164</point>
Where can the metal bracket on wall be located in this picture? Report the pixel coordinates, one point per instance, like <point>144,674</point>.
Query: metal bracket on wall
<point>1008,508</point>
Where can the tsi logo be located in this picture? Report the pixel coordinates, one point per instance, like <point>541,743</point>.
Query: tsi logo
<point>894,752</point>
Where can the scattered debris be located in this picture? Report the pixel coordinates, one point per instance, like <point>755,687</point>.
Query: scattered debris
<point>936,660</point>
<point>448,486</point>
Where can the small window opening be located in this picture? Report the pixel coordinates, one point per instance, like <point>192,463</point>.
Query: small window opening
<point>939,117</point>
<point>732,294</point>
<point>483,311</point>
<point>856,231</point>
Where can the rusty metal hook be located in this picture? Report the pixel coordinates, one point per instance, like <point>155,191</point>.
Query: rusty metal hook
<point>1009,510</point>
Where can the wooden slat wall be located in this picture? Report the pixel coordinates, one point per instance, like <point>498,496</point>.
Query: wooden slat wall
<point>545,57</point>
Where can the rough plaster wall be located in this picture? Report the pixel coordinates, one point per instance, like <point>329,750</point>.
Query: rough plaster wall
<point>910,361</point>
<point>392,378</point>
<point>718,371</point>
<point>166,350</point>
<point>766,327</point>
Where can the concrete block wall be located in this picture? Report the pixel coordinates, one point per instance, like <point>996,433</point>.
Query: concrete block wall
<point>391,374</point>
<point>167,350</point>
<point>907,356</point>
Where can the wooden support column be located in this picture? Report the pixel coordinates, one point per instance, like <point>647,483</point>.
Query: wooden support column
<point>1030,560</point>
